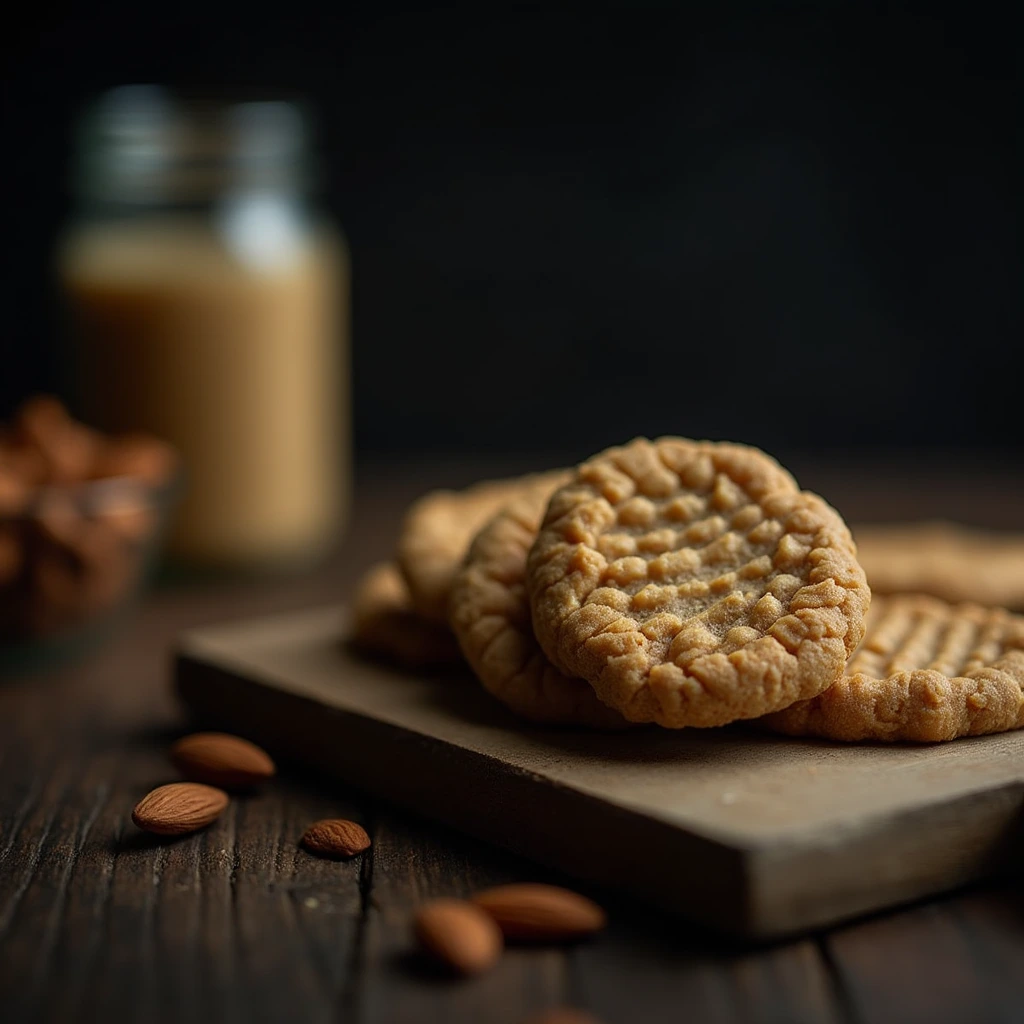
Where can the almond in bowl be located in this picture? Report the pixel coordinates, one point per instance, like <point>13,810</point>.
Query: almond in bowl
<point>81,518</point>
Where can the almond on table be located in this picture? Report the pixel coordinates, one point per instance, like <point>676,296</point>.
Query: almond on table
<point>532,912</point>
<point>459,934</point>
<point>336,837</point>
<point>221,759</point>
<point>179,808</point>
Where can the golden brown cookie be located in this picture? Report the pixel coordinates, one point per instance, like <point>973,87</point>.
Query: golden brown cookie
<point>945,560</point>
<point>437,531</point>
<point>490,614</point>
<point>384,624</point>
<point>925,671</point>
<point>692,583</point>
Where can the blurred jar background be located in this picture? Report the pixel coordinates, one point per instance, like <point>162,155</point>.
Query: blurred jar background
<point>208,303</point>
<point>570,229</point>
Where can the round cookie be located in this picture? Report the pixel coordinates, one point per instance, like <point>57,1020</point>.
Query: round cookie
<point>691,583</point>
<point>384,624</point>
<point>925,671</point>
<point>437,530</point>
<point>490,615</point>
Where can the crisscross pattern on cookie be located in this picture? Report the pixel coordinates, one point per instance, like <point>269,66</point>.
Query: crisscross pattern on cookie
<point>925,671</point>
<point>490,615</point>
<point>692,583</point>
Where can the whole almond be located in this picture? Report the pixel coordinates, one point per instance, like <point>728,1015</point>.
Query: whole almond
<point>179,808</point>
<point>336,837</point>
<point>459,934</point>
<point>219,759</point>
<point>531,912</point>
<point>136,457</point>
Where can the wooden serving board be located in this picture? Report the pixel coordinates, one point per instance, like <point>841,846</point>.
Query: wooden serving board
<point>747,832</point>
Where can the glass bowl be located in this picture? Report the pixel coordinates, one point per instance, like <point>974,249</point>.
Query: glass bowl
<point>73,561</point>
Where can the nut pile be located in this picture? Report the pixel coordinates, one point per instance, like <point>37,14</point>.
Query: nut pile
<point>77,510</point>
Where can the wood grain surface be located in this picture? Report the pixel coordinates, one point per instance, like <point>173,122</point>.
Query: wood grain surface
<point>100,922</point>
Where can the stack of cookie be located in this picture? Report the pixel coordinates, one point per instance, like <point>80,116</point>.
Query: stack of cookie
<point>686,584</point>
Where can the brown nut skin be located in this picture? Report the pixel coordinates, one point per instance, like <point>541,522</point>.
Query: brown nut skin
<point>459,935</point>
<point>336,837</point>
<point>533,912</point>
<point>179,808</point>
<point>138,457</point>
<point>12,556</point>
<point>68,449</point>
<point>15,493</point>
<point>40,423</point>
<point>23,461</point>
<point>220,759</point>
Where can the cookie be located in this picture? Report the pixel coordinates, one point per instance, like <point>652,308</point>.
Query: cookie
<point>692,583</point>
<point>490,615</point>
<point>437,531</point>
<point>954,563</point>
<point>384,624</point>
<point>925,671</point>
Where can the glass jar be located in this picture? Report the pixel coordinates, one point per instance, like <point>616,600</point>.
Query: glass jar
<point>209,306</point>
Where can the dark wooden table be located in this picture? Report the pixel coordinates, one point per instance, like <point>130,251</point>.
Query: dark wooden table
<point>101,922</point>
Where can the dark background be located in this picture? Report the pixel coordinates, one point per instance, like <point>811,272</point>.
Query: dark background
<point>789,226</point>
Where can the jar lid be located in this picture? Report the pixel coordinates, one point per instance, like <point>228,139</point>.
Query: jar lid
<point>143,142</point>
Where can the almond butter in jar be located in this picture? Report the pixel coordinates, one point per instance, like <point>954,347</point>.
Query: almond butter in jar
<point>209,306</point>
